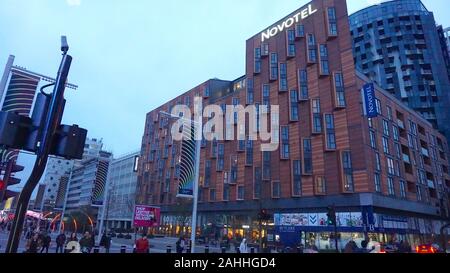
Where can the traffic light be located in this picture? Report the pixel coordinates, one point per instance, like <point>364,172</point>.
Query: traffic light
<point>331,214</point>
<point>8,180</point>
<point>25,133</point>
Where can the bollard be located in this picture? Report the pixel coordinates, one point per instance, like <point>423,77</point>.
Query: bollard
<point>206,249</point>
<point>238,250</point>
<point>252,250</point>
<point>123,249</point>
<point>224,250</point>
<point>169,249</point>
<point>96,249</point>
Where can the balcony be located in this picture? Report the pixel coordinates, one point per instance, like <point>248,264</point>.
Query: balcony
<point>426,72</point>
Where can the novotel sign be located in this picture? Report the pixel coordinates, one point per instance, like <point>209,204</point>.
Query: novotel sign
<point>273,31</point>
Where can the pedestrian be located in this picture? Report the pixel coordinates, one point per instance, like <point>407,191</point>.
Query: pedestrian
<point>105,241</point>
<point>142,245</point>
<point>180,245</point>
<point>46,240</point>
<point>86,243</point>
<point>33,244</point>
<point>349,247</point>
<point>243,248</point>
<point>60,241</point>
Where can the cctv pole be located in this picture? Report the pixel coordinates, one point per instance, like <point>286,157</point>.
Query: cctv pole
<point>52,120</point>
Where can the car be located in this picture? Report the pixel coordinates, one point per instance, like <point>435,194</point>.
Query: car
<point>429,249</point>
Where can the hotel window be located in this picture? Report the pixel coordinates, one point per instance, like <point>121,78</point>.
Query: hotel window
<point>207,179</point>
<point>235,113</point>
<point>307,157</point>
<point>330,132</point>
<point>266,96</point>
<point>240,193</point>
<point>402,189</point>
<point>312,50</point>
<point>378,103</point>
<point>395,133</point>
<point>321,187</point>
<point>296,178</point>
<point>299,31</point>
<point>316,116</point>
<point>389,112</point>
<point>266,175</point>
<point>339,90</point>
<point>398,150</point>
<point>332,22</point>
<point>257,183</point>
<point>290,43</point>
<point>241,145</point>
<point>385,127</point>
<point>257,67</point>
<point>373,139</point>
<point>276,189</point>
<point>226,192</point>
<point>370,122</point>
<point>324,65</point>
<point>284,142</point>
<point>214,148</point>
<point>377,162</point>
<point>212,195</point>
<point>220,159</point>
<point>234,169</point>
<point>347,171</point>
<point>265,49</point>
<point>249,153</point>
<point>303,84</point>
<point>386,145</point>
<point>250,94</point>
<point>293,109</point>
<point>206,92</point>
<point>377,182</point>
<point>391,190</point>
<point>419,193</point>
<point>283,77</point>
<point>390,165</point>
<point>273,66</point>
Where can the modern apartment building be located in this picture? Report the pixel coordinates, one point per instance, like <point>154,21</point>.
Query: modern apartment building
<point>386,175</point>
<point>397,45</point>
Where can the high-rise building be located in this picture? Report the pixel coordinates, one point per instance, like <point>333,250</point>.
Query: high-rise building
<point>396,44</point>
<point>122,179</point>
<point>385,175</point>
<point>445,46</point>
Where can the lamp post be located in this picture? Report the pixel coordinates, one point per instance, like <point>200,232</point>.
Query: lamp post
<point>198,125</point>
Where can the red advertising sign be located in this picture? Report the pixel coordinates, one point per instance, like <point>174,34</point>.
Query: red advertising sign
<point>146,216</point>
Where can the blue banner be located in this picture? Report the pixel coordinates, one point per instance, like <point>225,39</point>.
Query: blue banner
<point>369,100</point>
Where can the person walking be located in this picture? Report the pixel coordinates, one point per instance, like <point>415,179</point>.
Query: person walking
<point>180,245</point>
<point>105,241</point>
<point>142,245</point>
<point>60,241</point>
<point>86,243</point>
<point>33,244</point>
<point>243,248</point>
<point>46,240</point>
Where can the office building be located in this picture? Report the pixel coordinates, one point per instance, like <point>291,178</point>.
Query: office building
<point>122,179</point>
<point>386,175</point>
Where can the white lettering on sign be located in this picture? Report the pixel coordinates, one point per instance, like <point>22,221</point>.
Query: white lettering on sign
<point>271,32</point>
<point>143,214</point>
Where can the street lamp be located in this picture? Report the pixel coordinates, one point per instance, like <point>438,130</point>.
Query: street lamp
<point>198,125</point>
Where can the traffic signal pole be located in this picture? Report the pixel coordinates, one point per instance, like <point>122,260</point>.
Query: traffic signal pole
<point>49,128</point>
<point>6,176</point>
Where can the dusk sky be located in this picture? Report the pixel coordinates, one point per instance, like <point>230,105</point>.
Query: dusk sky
<point>131,56</point>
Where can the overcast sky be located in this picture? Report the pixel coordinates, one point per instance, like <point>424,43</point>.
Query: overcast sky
<point>131,56</point>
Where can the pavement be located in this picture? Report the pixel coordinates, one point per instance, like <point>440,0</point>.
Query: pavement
<point>157,245</point>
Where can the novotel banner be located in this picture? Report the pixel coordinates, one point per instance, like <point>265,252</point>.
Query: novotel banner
<point>289,22</point>
<point>369,100</point>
